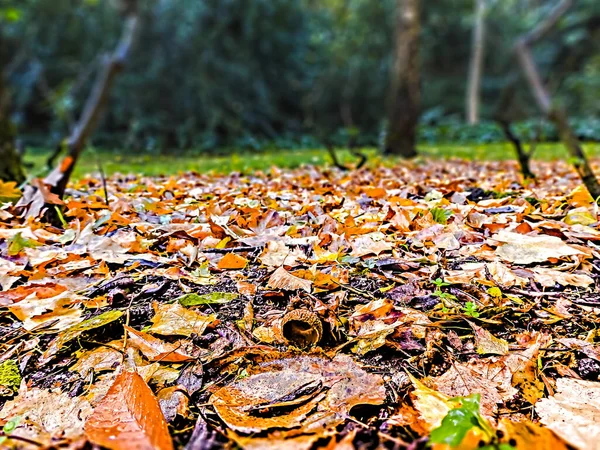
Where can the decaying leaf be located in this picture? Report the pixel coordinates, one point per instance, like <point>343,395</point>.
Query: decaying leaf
<point>529,436</point>
<point>573,413</point>
<point>309,392</point>
<point>282,279</point>
<point>71,333</point>
<point>129,417</point>
<point>232,261</point>
<point>155,349</point>
<point>47,415</point>
<point>487,343</point>
<point>524,249</point>
<point>172,319</point>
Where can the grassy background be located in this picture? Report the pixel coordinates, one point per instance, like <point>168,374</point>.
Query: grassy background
<point>245,161</point>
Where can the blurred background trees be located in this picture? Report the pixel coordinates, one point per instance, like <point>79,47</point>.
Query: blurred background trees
<point>214,73</point>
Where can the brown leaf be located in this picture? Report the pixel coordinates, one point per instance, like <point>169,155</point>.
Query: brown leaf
<point>49,415</point>
<point>573,413</point>
<point>172,319</point>
<point>129,417</point>
<point>155,349</point>
<point>339,384</point>
<point>282,279</point>
<point>487,343</point>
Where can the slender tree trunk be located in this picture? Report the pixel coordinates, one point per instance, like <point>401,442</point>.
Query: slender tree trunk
<point>405,92</point>
<point>476,63</point>
<point>96,102</point>
<point>544,101</point>
<point>11,168</point>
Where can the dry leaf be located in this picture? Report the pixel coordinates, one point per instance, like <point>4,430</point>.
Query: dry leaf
<point>172,319</point>
<point>282,279</point>
<point>370,244</point>
<point>487,343</point>
<point>232,261</point>
<point>524,249</point>
<point>431,404</point>
<point>155,349</point>
<point>47,415</point>
<point>573,413</point>
<point>335,387</point>
<point>529,436</point>
<point>129,417</point>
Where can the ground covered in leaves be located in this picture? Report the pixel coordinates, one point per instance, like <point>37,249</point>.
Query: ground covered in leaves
<point>443,304</point>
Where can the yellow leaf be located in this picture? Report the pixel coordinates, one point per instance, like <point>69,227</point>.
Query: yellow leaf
<point>9,191</point>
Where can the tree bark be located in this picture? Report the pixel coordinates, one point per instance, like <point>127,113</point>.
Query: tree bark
<point>11,168</point>
<point>96,102</point>
<point>476,63</point>
<point>405,92</point>
<point>542,97</point>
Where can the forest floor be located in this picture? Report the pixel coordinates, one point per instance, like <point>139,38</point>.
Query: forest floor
<point>117,161</point>
<point>440,303</point>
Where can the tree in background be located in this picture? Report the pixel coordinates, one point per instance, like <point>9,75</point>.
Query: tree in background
<point>544,101</point>
<point>476,63</point>
<point>405,91</point>
<point>11,168</point>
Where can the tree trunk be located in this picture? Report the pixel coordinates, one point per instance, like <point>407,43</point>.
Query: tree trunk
<point>405,93</point>
<point>96,102</point>
<point>11,168</point>
<point>476,63</point>
<point>544,101</point>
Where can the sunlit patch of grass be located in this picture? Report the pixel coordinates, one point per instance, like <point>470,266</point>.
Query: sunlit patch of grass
<point>119,161</point>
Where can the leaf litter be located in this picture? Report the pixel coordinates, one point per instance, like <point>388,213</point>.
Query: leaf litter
<point>444,304</point>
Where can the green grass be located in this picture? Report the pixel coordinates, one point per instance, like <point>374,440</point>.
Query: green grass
<point>246,161</point>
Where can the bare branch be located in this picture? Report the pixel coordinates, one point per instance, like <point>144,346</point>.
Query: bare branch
<point>544,27</point>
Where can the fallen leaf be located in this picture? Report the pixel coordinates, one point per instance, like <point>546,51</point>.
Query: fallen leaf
<point>232,261</point>
<point>129,417</point>
<point>71,333</point>
<point>173,401</point>
<point>282,279</point>
<point>487,343</point>
<point>47,415</point>
<point>524,249</point>
<point>172,319</point>
<point>213,298</point>
<point>573,413</point>
<point>529,436</point>
<point>372,243</point>
<point>155,349</point>
<point>337,386</point>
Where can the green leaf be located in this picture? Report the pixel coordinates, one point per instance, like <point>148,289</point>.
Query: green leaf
<point>17,243</point>
<point>73,332</point>
<point>194,299</point>
<point>459,421</point>
<point>470,309</point>
<point>10,377</point>
<point>440,215</point>
<point>11,425</point>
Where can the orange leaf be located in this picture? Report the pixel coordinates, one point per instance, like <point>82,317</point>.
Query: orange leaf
<point>66,163</point>
<point>232,261</point>
<point>129,417</point>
